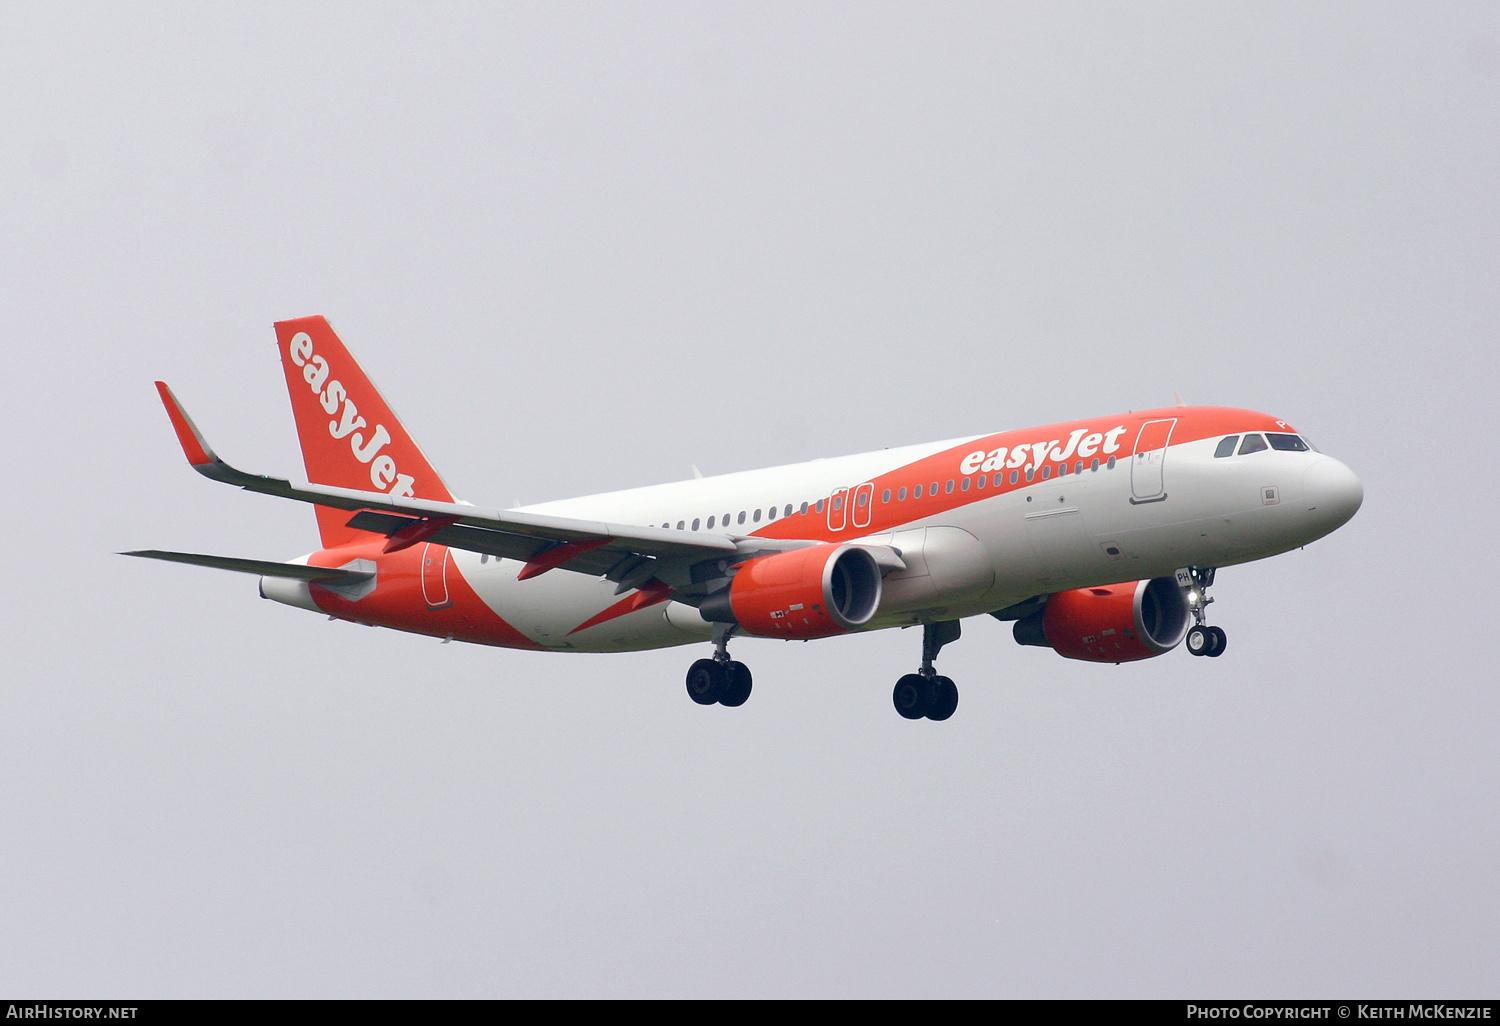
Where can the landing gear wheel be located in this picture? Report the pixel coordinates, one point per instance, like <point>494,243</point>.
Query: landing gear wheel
<point>706,681</point>
<point>913,696</point>
<point>944,698</point>
<point>738,687</point>
<point>1220,640</point>
<point>1200,640</point>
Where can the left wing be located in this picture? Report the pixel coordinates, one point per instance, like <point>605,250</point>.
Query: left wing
<point>692,562</point>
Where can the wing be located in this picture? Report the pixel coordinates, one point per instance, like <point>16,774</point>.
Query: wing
<point>629,554</point>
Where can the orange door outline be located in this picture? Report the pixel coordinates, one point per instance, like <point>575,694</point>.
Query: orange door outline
<point>435,576</point>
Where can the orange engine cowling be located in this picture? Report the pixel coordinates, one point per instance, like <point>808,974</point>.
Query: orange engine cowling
<point>814,592</point>
<point>1114,624</point>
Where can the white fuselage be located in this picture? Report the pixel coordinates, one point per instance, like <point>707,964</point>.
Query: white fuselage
<point>1073,531</point>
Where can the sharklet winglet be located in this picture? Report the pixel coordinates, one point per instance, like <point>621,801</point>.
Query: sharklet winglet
<point>194,445</point>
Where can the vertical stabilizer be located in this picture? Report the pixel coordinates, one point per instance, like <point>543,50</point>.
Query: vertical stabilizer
<point>349,436</point>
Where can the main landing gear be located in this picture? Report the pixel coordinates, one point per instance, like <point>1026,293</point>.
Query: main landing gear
<point>925,694</point>
<point>1202,640</point>
<point>720,680</point>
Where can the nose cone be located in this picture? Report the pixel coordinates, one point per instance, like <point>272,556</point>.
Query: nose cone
<point>1333,494</point>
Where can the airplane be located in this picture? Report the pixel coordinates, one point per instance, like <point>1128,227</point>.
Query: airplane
<point>1097,538</point>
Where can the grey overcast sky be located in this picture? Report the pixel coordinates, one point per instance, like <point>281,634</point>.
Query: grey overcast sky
<point>585,246</point>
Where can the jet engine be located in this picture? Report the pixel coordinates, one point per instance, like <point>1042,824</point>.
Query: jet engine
<point>1114,624</point>
<point>813,592</point>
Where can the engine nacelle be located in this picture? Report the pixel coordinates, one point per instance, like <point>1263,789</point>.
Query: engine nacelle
<point>1114,624</point>
<point>814,592</point>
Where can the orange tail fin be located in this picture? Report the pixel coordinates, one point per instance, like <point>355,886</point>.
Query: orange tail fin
<point>350,438</point>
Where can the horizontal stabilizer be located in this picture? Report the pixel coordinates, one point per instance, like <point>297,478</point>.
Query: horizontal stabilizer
<point>261,567</point>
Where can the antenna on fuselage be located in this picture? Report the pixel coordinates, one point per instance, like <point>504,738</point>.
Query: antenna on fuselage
<point>1178,396</point>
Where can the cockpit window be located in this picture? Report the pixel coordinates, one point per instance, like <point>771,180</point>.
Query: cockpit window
<point>1226,447</point>
<point>1252,443</point>
<point>1287,443</point>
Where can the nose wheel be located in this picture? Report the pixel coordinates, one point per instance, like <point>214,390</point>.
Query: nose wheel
<point>1201,640</point>
<point>720,680</point>
<point>926,694</point>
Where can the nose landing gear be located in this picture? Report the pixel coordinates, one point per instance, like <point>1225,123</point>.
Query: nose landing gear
<point>1202,640</point>
<point>719,680</point>
<point>925,694</point>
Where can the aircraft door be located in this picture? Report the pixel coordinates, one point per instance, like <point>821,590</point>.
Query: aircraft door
<point>435,576</point>
<point>864,500</point>
<point>1147,483</point>
<point>836,511</point>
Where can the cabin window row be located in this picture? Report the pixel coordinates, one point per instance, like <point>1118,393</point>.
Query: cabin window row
<point>983,480</point>
<point>754,516</point>
<point>862,498</point>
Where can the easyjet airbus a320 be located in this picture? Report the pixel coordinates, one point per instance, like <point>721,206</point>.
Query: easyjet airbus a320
<point>1099,538</point>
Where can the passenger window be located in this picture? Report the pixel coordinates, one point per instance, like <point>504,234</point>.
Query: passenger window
<point>804,509</point>
<point>1226,447</point>
<point>1030,473</point>
<point>821,503</point>
<point>741,520</point>
<point>916,493</point>
<point>838,503</point>
<point>1252,443</point>
<point>1046,473</point>
<point>1078,467</point>
<point>710,523</point>
<point>982,479</point>
<point>771,513</point>
<point>755,516</point>
<point>1287,443</point>
<point>966,484</point>
<point>788,511</point>
<point>885,496</point>
<point>934,488</point>
<point>679,525</point>
<point>863,500</point>
<point>1111,464</point>
<point>695,523</point>
<point>1094,465</point>
<point>1062,469</point>
<point>949,489</point>
<point>1014,474</point>
<point>901,495</point>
